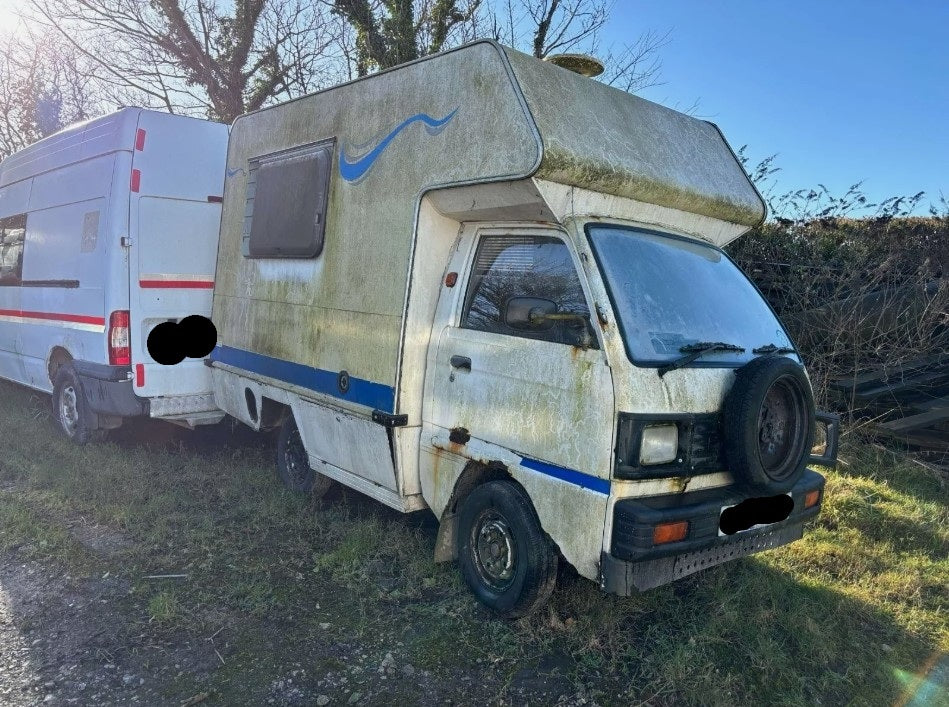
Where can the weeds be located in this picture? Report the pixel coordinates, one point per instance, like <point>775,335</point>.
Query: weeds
<point>850,614</point>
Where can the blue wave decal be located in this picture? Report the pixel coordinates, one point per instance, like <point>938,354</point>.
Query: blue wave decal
<point>353,170</point>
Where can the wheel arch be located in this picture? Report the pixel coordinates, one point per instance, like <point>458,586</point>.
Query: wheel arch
<point>58,356</point>
<point>474,474</point>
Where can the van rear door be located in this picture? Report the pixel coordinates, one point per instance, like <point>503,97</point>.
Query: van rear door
<point>175,212</point>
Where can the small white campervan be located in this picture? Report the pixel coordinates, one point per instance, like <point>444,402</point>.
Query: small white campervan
<point>484,285</point>
<point>107,229</point>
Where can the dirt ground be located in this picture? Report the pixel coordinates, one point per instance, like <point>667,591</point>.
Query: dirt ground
<point>79,640</point>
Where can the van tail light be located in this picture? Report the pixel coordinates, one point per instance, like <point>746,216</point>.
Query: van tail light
<point>120,353</point>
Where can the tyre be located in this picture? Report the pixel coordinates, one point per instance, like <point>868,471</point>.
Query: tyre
<point>293,463</point>
<point>506,559</point>
<point>769,424</point>
<point>71,409</point>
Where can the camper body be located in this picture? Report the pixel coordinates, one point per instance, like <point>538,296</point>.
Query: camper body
<point>454,285</point>
<point>110,228</point>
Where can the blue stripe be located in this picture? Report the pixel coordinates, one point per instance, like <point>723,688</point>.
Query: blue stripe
<point>577,478</point>
<point>353,171</point>
<point>364,392</point>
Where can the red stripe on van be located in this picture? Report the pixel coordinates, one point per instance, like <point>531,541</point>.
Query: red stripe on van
<point>54,317</point>
<point>136,179</point>
<point>176,284</point>
<point>140,140</point>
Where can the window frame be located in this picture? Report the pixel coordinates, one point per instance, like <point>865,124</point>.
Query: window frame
<point>254,165</point>
<point>652,230</point>
<point>18,281</point>
<point>465,281</point>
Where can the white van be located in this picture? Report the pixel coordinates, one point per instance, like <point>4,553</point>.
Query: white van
<point>487,286</point>
<point>107,229</point>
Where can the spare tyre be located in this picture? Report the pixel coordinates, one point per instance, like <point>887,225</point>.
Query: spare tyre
<point>769,424</point>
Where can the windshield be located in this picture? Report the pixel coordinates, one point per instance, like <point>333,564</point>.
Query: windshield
<point>669,292</point>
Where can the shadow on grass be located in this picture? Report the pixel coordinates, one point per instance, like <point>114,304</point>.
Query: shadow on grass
<point>276,569</point>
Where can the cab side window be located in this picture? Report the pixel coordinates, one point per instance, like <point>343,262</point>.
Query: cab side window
<point>528,286</point>
<point>12,238</point>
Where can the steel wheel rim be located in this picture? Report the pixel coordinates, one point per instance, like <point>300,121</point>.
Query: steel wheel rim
<point>69,409</point>
<point>781,428</point>
<point>297,463</point>
<point>495,551</point>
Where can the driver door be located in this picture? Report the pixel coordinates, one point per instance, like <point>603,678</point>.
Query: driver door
<point>541,389</point>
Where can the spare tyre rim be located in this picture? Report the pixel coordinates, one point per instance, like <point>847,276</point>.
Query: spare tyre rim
<point>69,410</point>
<point>494,549</point>
<point>781,427</point>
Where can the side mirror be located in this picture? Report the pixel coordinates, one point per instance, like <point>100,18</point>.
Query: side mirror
<point>529,313</point>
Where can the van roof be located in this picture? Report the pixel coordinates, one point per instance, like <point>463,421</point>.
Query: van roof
<point>114,132</point>
<point>560,127</point>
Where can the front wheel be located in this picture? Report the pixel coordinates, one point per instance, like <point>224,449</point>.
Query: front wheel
<point>71,409</point>
<point>506,558</point>
<point>293,463</point>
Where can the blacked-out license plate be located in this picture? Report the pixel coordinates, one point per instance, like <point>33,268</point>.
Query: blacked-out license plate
<point>754,513</point>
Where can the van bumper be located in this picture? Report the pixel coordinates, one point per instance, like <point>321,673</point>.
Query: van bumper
<point>634,564</point>
<point>108,389</point>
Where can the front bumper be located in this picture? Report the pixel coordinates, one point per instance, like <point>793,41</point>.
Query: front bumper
<point>635,564</point>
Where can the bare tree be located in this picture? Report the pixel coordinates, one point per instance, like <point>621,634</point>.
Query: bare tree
<point>221,58</point>
<point>546,27</point>
<point>391,32</point>
<point>42,88</point>
<point>218,58</point>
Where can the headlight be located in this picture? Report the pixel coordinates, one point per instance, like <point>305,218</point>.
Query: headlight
<point>660,443</point>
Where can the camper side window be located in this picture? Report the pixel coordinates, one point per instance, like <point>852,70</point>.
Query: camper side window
<point>285,213</point>
<point>12,238</point>
<point>528,286</point>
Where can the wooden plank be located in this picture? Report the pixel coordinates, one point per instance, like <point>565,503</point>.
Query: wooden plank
<point>889,372</point>
<point>916,439</point>
<point>932,404</point>
<point>923,419</point>
<point>915,383</point>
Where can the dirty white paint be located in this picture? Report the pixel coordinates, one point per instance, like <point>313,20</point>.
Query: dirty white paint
<point>523,398</point>
<point>375,302</point>
<point>572,202</point>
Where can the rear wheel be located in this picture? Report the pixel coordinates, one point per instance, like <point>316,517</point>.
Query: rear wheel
<point>293,463</point>
<point>71,409</point>
<point>506,558</point>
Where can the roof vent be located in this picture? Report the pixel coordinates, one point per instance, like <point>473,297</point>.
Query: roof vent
<point>578,63</point>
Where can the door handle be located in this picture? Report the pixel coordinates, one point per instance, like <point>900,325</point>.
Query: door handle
<point>462,363</point>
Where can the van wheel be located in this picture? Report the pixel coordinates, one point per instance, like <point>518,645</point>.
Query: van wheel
<point>505,556</point>
<point>293,464</point>
<point>71,409</point>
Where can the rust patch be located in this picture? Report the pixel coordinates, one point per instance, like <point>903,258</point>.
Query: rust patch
<point>680,483</point>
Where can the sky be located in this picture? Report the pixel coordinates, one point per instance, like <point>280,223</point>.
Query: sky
<point>841,91</point>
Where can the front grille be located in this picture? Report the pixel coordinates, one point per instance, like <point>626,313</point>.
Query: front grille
<point>706,444</point>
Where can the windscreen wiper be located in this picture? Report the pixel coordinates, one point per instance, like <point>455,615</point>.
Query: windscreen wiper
<point>694,351</point>
<point>772,349</point>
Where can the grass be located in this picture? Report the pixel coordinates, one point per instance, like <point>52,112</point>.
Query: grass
<point>852,614</point>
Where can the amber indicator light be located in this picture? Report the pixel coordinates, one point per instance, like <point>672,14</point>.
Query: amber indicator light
<point>812,498</point>
<point>670,532</point>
